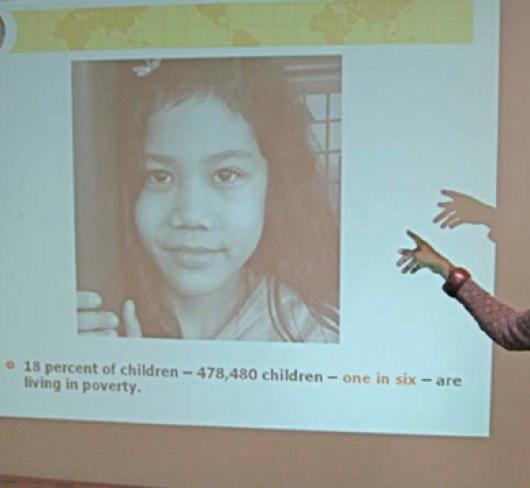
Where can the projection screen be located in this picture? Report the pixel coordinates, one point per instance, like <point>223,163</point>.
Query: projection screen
<point>202,204</point>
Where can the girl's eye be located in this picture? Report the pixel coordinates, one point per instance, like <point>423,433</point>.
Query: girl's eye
<point>227,176</point>
<point>159,177</point>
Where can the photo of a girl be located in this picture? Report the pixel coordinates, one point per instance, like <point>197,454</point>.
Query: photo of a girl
<point>227,230</point>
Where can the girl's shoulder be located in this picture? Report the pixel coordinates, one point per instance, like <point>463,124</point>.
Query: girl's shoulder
<point>300,323</point>
<point>273,312</point>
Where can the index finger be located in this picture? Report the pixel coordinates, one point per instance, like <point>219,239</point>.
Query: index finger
<point>451,193</point>
<point>415,237</point>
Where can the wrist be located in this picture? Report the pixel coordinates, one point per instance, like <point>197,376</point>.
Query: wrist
<point>455,280</point>
<point>443,268</point>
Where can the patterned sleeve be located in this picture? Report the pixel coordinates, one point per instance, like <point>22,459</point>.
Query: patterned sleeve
<point>506,326</point>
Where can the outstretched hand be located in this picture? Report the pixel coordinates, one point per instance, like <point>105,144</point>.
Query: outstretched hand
<point>463,209</point>
<point>423,256</point>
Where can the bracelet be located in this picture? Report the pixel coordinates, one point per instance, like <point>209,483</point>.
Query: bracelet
<point>457,277</point>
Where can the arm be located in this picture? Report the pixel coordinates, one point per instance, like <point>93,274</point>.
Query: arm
<point>505,326</point>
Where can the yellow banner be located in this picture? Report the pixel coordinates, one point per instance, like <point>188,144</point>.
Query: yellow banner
<point>331,22</point>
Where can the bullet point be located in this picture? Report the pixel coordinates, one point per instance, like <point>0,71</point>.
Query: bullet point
<point>10,364</point>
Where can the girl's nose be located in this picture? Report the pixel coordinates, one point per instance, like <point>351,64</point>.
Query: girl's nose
<point>192,208</point>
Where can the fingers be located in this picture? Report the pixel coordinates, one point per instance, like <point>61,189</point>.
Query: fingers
<point>408,262</point>
<point>453,222</point>
<point>90,320</point>
<point>96,320</point>
<point>416,238</point>
<point>413,235</point>
<point>449,216</point>
<point>443,215</point>
<point>448,219</point>
<point>452,194</point>
<point>412,260</point>
<point>133,327</point>
<point>406,255</point>
<point>88,300</point>
<point>411,267</point>
<point>406,252</point>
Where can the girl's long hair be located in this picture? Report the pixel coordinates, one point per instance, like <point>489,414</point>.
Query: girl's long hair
<point>299,247</point>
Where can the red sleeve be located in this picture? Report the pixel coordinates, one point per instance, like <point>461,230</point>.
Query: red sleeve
<point>506,326</point>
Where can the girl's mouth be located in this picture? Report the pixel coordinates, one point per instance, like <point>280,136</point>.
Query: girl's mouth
<point>194,257</point>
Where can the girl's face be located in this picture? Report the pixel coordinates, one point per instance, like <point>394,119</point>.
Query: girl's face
<point>200,213</point>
